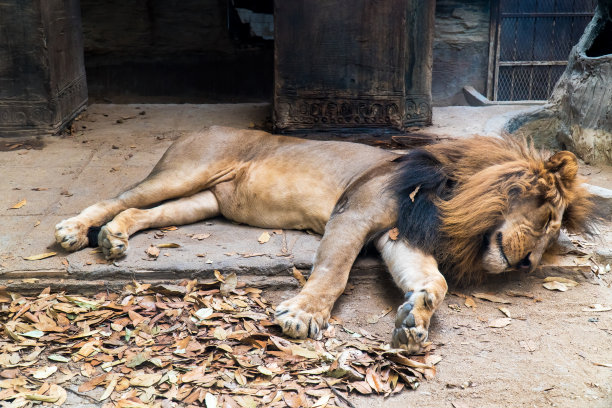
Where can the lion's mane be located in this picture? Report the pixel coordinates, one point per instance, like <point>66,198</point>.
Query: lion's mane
<point>452,195</point>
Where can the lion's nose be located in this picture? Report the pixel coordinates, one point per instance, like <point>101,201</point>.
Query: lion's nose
<point>525,263</point>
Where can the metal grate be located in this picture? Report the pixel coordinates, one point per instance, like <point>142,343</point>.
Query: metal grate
<point>535,39</point>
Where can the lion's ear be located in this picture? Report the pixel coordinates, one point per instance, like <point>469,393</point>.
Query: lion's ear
<point>565,164</point>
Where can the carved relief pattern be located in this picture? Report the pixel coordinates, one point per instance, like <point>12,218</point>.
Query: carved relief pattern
<point>418,110</point>
<point>338,112</point>
<point>22,115</point>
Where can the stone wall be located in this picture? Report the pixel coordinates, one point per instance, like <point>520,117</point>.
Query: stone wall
<point>461,49</point>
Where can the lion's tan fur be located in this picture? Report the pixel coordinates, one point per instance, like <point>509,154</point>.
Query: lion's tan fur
<point>344,191</point>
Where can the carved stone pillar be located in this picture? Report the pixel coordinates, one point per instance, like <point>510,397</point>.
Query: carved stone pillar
<point>42,75</point>
<point>363,65</point>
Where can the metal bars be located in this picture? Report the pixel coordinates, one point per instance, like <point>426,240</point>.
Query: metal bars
<point>533,40</point>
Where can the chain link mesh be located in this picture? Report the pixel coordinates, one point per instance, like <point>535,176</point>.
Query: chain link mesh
<point>532,33</point>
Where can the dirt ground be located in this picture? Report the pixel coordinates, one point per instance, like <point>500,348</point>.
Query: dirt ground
<point>554,352</point>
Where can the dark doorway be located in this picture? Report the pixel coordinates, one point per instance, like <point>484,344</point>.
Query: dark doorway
<point>178,51</point>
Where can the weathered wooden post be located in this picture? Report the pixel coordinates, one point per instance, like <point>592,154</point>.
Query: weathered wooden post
<point>354,65</point>
<point>578,115</point>
<point>42,74</point>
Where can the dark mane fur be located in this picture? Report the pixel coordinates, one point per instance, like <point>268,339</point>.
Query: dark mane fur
<point>464,189</point>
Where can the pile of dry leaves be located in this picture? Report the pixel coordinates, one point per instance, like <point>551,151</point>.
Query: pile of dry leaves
<point>193,344</point>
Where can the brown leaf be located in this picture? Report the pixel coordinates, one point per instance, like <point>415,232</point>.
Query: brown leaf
<point>109,389</point>
<point>505,311</point>
<point>169,289</point>
<point>491,298</point>
<point>152,251</point>
<point>135,318</point>
<point>229,285</point>
<point>200,237</point>
<point>19,204</point>
<point>193,375</point>
<point>393,234</point>
<point>501,322</point>
<point>264,237</point>
<point>373,379</point>
<point>294,400</point>
<point>414,193</point>
<point>142,379</point>
<point>554,285</point>
<point>469,302</point>
<point>362,387</point>
<point>298,275</point>
<point>40,256</point>
<point>168,245</point>
<point>93,383</point>
<point>597,308</point>
<point>565,281</point>
<point>44,372</point>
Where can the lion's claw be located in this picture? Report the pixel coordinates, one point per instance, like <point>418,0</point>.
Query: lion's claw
<point>412,322</point>
<point>297,322</point>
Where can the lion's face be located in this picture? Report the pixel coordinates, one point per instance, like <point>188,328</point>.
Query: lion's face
<point>525,233</point>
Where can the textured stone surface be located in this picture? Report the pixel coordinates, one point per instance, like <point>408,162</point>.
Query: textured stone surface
<point>461,49</point>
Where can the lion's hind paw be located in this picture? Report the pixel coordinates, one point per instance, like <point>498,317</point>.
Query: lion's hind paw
<point>299,323</point>
<point>412,322</point>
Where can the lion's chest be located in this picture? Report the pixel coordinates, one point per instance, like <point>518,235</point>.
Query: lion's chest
<point>279,195</point>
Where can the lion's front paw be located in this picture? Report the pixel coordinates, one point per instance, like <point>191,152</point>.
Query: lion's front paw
<point>114,244</point>
<point>301,317</point>
<point>412,322</point>
<point>71,234</point>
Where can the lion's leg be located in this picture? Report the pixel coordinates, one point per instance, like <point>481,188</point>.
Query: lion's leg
<point>113,237</point>
<point>307,313</point>
<point>417,275</point>
<point>71,233</point>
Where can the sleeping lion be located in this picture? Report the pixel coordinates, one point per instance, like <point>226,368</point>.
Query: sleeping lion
<point>463,209</point>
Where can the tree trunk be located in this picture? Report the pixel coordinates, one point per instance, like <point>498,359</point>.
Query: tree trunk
<point>578,115</point>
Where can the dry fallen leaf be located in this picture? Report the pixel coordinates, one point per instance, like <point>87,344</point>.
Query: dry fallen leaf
<point>229,285</point>
<point>40,256</point>
<point>469,302</point>
<point>190,340</point>
<point>490,297</point>
<point>505,311</point>
<point>200,237</point>
<point>152,251</point>
<point>168,245</point>
<point>299,276</point>
<point>44,372</point>
<point>393,234</point>
<point>264,237</point>
<point>565,281</point>
<point>554,285</point>
<point>19,204</point>
<point>414,193</point>
<point>597,308</point>
<point>501,322</point>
